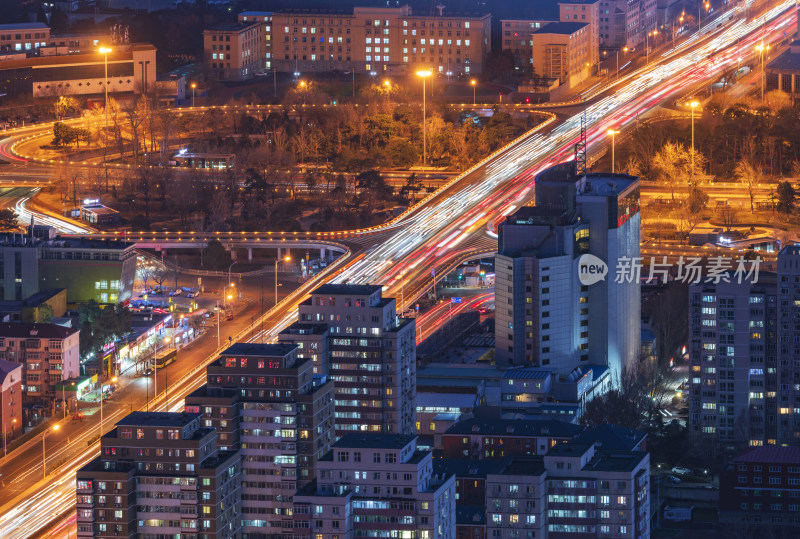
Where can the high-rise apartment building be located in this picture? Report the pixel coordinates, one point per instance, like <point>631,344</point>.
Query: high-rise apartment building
<point>280,416</point>
<point>734,361</point>
<point>788,344</point>
<point>377,485</point>
<point>160,474</point>
<point>372,356</point>
<point>545,316</point>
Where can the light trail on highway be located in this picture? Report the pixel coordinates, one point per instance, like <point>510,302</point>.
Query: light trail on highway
<point>457,215</point>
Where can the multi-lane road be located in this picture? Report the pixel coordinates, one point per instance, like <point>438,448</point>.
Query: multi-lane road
<point>452,223</point>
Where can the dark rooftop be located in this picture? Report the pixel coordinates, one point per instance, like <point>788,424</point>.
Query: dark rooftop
<point>157,419</point>
<point>35,331</point>
<point>515,427</point>
<point>230,26</point>
<point>374,441</point>
<point>523,465</point>
<point>772,455</point>
<point>565,28</point>
<point>615,461</point>
<point>786,61</point>
<point>611,437</point>
<point>569,449</point>
<point>347,289</point>
<point>467,467</point>
<point>259,349</point>
<point>526,374</point>
<point>6,367</point>
<point>304,328</point>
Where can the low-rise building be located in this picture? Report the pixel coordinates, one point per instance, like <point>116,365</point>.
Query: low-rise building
<point>160,474</point>
<point>102,270</point>
<point>377,485</point>
<point>131,70</point>
<point>47,353</point>
<point>761,487</point>
<point>23,37</point>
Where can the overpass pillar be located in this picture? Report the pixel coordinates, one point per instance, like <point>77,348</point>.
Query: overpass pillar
<point>323,253</point>
<point>233,253</point>
<point>249,254</point>
<point>280,253</point>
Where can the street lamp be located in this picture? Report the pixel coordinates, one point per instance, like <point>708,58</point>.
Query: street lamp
<point>194,85</point>
<point>474,83</point>
<point>761,48</point>
<point>104,51</point>
<point>64,398</point>
<point>693,105</point>
<point>647,44</point>
<point>303,89</point>
<point>287,258</point>
<point>424,75</point>
<point>612,133</point>
<point>44,459</point>
<point>699,5</point>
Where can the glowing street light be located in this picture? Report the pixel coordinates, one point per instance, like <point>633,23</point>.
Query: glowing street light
<point>287,258</point>
<point>474,83</point>
<point>104,51</point>
<point>194,85</point>
<point>762,50</point>
<point>44,457</point>
<point>693,105</point>
<point>612,133</point>
<point>424,75</point>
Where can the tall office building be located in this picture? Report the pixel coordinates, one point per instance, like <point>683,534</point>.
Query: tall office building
<point>268,401</point>
<point>734,361</point>
<point>160,474</point>
<point>377,485</point>
<point>372,356</point>
<point>788,326</point>
<point>545,317</point>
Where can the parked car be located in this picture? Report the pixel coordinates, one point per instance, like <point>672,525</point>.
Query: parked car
<point>680,470</point>
<point>229,317</point>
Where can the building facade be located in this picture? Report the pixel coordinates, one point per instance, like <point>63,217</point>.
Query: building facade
<point>387,40</point>
<point>234,51</point>
<point>517,39</point>
<point>160,474</point>
<point>788,345</point>
<point>10,400</point>
<point>47,353</point>
<point>587,12</point>
<point>102,270</point>
<point>265,19</point>
<point>372,357</point>
<point>734,361</point>
<point>760,490</point>
<point>501,438</point>
<point>563,51</point>
<point>131,70</point>
<point>376,485</point>
<point>284,422</point>
<point>24,37</point>
<point>545,316</point>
